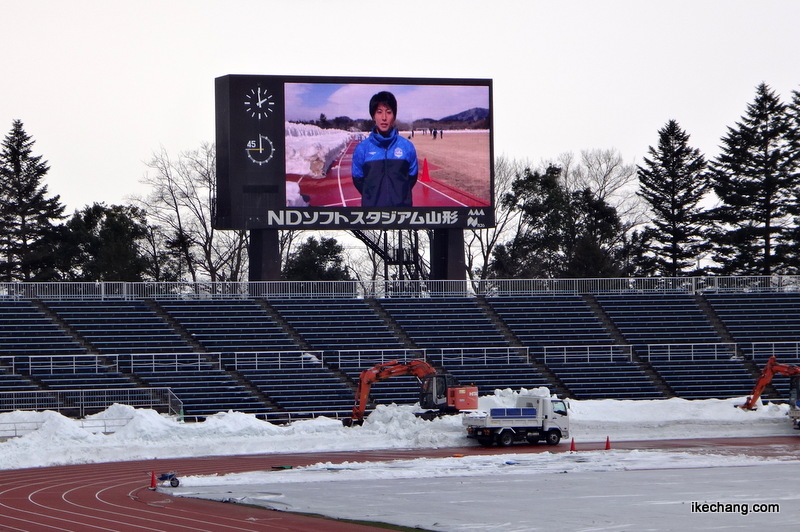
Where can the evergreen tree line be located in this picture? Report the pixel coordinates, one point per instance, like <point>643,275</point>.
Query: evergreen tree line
<point>165,236</point>
<point>738,214</point>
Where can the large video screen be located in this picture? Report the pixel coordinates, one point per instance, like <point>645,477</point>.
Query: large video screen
<point>353,153</point>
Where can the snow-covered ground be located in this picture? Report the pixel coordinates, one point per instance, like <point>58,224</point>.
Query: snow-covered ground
<point>586,490</point>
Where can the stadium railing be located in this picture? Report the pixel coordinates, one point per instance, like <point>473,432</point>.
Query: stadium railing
<point>80,402</point>
<point>388,289</point>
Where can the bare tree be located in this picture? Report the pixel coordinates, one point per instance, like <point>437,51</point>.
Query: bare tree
<point>608,177</point>
<point>480,243</point>
<point>180,202</point>
<point>287,242</point>
<point>363,262</point>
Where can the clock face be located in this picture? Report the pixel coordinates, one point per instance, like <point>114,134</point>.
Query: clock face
<point>260,151</point>
<point>259,103</point>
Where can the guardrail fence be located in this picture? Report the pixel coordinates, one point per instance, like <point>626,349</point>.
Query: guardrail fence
<point>388,289</point>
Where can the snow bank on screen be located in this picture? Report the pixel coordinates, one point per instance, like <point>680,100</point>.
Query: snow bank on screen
<point>311,150</point>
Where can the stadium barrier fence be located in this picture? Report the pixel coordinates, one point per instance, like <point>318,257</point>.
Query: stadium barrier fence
<point>393,288</point>
<point>80,402</point>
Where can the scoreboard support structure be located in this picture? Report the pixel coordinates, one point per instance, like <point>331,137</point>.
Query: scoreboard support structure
<point>447,255</point>
<point>264,255</point>
<point>447,258</point>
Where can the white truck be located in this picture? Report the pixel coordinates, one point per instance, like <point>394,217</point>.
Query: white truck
<point>534,419</point>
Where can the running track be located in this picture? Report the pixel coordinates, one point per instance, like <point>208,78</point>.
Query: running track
<point>116,496</point>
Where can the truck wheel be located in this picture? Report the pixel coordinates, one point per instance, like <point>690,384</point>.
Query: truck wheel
<point>505,438</point>
<point>552,437</point>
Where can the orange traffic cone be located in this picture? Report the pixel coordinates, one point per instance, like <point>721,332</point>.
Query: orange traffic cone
<point>425,177</point>
<point>572,446</point>
<point>152,480</point>
<point>608,443</point>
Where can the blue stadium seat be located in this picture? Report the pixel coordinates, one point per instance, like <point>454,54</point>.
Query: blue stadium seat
<point>229,325</point>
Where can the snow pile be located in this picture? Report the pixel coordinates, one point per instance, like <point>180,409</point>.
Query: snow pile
<point>310,150</point>
<point>478,465</point>
<point>140,434</point>
<point>677,418</point>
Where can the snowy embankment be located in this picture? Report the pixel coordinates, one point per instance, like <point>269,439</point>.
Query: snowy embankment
<point>311,150</point>
<point>145,434</point>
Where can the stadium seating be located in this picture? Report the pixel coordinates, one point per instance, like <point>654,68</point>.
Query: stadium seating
<point>763,324</point>
<point>444,322</point>
<point>229,325</point>
<point>27,330</point>
<point>197,380</point>
<point>59,372</point>
<point>297,383</point>
<point>760,317</point>
<point>399,390</point>
<point>546,322</point>
<point>659,318</point>
<point>551,320</point>
<point>336,324</point>
<point>10,381</point>
<point>675,337</point>
<point>255,353</point>
<point>489,369</point>
<point>119,326</point>
<point>607,373</point>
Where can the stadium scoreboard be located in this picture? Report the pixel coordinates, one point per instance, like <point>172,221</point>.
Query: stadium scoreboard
<point>284,149</point>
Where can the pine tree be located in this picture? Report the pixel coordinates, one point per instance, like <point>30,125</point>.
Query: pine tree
<point>560,233</point>
<point>754,178</point>
<point>317,260</point>
<point>27,214</point>
<point>673,182</point>
<point>790,250</point>
<point>594,229</point>
<point>102,243</point>
<point>536,249</point>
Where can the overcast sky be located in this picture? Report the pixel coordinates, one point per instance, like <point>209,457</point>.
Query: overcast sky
<point>103,85</point>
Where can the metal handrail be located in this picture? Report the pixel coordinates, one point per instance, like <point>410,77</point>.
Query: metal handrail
<point>690,351</point>
<point>79,401</point>
<point>390,288</point>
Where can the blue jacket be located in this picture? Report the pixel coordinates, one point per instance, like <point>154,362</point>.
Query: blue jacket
<point>385,170</point>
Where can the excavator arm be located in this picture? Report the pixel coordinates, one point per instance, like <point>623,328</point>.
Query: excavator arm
<point>379,372</point>
<point>770,369</point>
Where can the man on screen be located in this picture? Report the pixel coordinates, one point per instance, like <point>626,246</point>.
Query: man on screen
<point>385,163</point>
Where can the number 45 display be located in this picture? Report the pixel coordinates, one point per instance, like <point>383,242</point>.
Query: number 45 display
<point>261,150</point>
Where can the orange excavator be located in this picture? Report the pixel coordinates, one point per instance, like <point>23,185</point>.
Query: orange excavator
<point>771,368</point>
<point>439,393</point>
